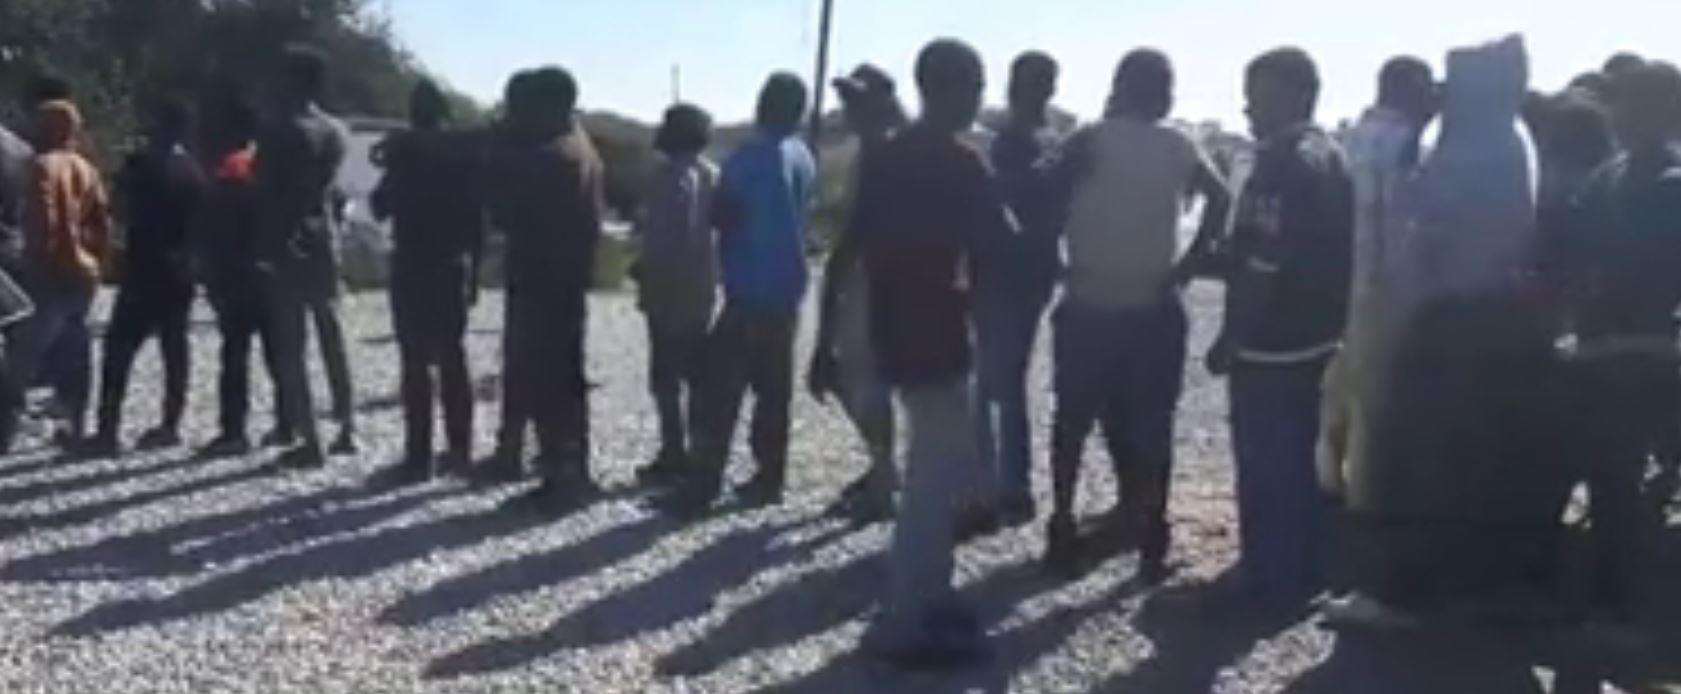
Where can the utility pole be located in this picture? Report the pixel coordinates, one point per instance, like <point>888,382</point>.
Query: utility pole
<point>676,83</point>
<point>821,86</point>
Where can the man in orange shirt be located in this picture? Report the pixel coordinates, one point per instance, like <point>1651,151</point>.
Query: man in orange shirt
<point>67,231</point>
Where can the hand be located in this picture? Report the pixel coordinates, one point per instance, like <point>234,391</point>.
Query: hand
<point>1219,358</point>
<point>821,377</point>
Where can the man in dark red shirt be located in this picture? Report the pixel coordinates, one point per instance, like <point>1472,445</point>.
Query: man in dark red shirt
<point>926,203</point>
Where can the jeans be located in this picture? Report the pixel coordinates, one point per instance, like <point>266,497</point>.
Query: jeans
<point>1007,325</point>
<point>747,348</point>
<point>866,397</point>
<point>241,316</point>
<point>429,316</point>
<point>1124,368</point>
<point>543,382</point>
<point>144,310</point>
<point>287,308</point>
<point>1281,513</point>
<point>58,331</point>
<point>942,470</point>
<point>676,361</point>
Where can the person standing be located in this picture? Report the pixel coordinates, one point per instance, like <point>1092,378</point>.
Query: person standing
<point>15,306</point>
<point>543,187</point>
<point>1384,155</point>
<point>677,271</point>
<point>843,361</point>
<point>428,189</point>
<point>299,154</point>
<point>1630,222</point>
<point>161,187</point>
<point>1015,282</point>
<point>927,205</point>
<point>763,199</point>
<point>225,245</point>
<point>67,240</point>
<point>1121,327</point>
<point>1286,306</point>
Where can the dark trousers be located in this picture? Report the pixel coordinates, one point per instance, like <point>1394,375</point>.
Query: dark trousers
<point>1124,368</point>
<point>143,311</point>
<point>240,317</point>
<point>1007,326</point>
<point>1281,513</point>
<point>676,361</point>
<point>287,316</point>
<point>53,343</point>
<point>543,380</point>
<point>1629,402</point>
<point>747,348</point>
<point>429,315</point>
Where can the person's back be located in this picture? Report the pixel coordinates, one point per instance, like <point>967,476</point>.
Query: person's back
<point>1123,225</point>
<point>161,191</point>
<point>68,227</point>
<point>15,156</point>
<point>545,195</point>
<point>298,157</point>
<point>679,246</point>
<point>770,181</point>
<point>432,199</point>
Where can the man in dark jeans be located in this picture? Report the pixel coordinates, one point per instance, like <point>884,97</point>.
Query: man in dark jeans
<point>761,207</point>
<point>428,189</point>
<point>227,264</point>
<point>299,155</point>
<point>1016,282</point>
<point>543,188</point>
<point>1286,305</point>
<point>162,188</point>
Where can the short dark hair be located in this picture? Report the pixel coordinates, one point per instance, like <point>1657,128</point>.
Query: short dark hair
<point>1577,130</point>
<point>305,68</point>
<point>238,117</point>
<point>428,106</point>
<point>781,103</point>
<point>1033,63</point>
<point>1622,61</point>
<point>686,129</point>
<point>945,62</point>
<point>48,87</point>
<point>1291,67</point>
<point>172,115</point>
<point>553,89</point>
<point>1399,75</point>
<point>1143,84</point>
<point>1654,89</point>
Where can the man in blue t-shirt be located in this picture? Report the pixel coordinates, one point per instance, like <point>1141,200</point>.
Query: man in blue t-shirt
<point>760,210</point>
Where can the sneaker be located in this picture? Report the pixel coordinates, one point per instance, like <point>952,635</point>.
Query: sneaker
<point>412,470</point>
<point>762,490</point>
<point>690,500</point>
<point>280,437</point>
<point>98,446</point>
<point>226,446</point>
<point>976,522</point>
<point>561,495</point>
<point>666,469</point>
<point>305,457</point>
<point>159,438</point>
<point>1062,547</point>
<point>1364,612</point>
<point>454,464</point>
<point>863,509</point>
<point>503,466</point>
<point>345,444</point>
<point>1017,510</point>
<point>945,637</point>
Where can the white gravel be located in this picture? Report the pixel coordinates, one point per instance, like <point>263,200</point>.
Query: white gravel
<point>159,573</point>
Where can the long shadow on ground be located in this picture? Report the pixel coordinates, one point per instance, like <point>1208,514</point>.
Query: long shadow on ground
<point>464,593</point>
<point>349,558</point>
<point>685,591</point>
<point>187,548</point>
<point>12,527</point>
<point>71,485</point>
<point>996,595</point>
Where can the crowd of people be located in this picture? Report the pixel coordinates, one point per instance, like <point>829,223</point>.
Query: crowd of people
<point>1429,342</point>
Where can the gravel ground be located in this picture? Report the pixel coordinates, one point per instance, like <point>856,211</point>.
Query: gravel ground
<point>164,573</point>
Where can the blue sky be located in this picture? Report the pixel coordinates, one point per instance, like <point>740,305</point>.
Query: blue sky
<point>623,50</point>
